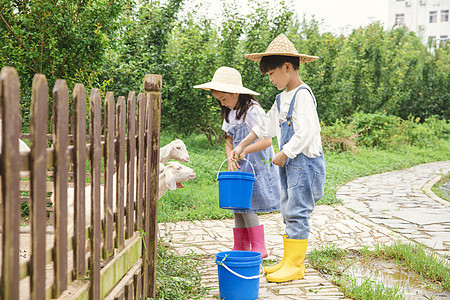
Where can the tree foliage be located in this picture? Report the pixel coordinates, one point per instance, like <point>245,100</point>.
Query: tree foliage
<point>139,46</point>
<point>115,43</point>
<point>60,38</point>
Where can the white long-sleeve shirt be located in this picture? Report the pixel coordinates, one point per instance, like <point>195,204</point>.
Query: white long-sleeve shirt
<point>252,118</point>
<point>306,138</point>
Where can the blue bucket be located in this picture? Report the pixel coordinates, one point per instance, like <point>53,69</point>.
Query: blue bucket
<point>239,273</point>
<point>235,189</point>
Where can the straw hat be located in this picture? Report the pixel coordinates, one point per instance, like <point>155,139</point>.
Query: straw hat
<point>281,45</point>
<point>226,80</point>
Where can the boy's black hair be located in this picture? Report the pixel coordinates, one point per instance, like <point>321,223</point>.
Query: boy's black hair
<point>242,105</point>
<point>271,62</point>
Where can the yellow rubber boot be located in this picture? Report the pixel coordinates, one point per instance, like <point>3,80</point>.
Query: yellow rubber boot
<point>271,269</point>
<point>294,262</point>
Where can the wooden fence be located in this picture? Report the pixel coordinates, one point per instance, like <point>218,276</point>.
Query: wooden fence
<point>104,240</point>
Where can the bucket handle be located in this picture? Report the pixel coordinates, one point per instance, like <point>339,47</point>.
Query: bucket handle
<point>230,158</point>
<point>242,276</point>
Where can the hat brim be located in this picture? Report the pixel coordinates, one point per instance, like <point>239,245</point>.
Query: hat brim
<point>303,58</point>
<point>223,87</point>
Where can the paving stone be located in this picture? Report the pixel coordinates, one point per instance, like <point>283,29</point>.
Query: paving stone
<point>423,217</point>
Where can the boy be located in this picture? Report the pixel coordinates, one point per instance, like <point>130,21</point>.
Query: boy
<point>293,119</point>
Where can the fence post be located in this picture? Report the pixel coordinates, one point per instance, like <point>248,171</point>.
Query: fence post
<point>39,117</point>
<point>109,173</point>
<point>140,162</point>
<point>120,169</point>
<point>152,85</point>
<point>96,157</point>
<point>61,113</point>
<point>131,160</point>
<point>9,169</point>
<point>79,131</point>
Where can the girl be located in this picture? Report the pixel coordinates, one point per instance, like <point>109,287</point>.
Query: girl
<point>240,112</point>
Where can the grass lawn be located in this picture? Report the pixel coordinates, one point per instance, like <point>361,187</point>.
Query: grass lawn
<point>439,189</point>
<point>425,271</point>
<point>199,199</point>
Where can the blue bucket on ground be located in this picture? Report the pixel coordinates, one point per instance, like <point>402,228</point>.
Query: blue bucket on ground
<point>239,273</point>
<point>235,189</point>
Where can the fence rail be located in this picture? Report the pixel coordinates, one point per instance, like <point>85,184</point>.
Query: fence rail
<point>100,215</point>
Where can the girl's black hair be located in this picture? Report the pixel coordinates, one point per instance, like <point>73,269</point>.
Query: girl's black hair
<point>243,103</point>
<point>271,62</point>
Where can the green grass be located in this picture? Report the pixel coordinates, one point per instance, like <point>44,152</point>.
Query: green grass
<point>367,289</point>
<point>177,276</point>
<point>199,199</point>
<point>437,188</point>
<point>328,260</point>
<point>415,256</point>
<point>334,261</point>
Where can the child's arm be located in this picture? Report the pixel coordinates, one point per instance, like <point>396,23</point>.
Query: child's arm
<point>266,128</point>
<point>232,164</point>
<point>236,152</point>
<point>255,147</point>
<point>306,138</point>
<point>280,159</point>
<point>258,146</point>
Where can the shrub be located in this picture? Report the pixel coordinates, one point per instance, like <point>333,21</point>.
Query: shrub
<point>426,133</point>
<point>382,131</point>
<point>339,137</point>
<point>376,130</point>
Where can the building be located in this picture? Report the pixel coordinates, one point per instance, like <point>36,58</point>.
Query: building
<point>428,18</point>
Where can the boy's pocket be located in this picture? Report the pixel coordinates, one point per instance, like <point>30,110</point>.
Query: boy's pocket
<point>293,174</point>
<point>318,186</point>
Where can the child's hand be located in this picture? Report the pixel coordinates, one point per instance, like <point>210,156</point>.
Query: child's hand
<point>236,153</point>
<point>279,159</point>
<point>233,165</point>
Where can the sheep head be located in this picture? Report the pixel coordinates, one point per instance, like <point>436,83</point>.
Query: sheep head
<point>176,173</point>
<point>179,151</point>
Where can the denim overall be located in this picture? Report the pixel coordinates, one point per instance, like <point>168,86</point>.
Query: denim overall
<point>266,188</point>
<point>302,181</point>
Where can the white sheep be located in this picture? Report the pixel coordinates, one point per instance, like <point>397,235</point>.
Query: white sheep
<point>170,179</point>
<point>174,150</point>
<point>23,149</point>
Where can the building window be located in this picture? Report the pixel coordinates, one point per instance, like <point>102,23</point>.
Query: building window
<point>431,41</point>
<point>433,16</point>
<point>443,40</point>
<point>444,15</point>
<point>399,19</point>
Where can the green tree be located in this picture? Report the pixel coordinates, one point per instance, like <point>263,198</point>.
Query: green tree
<point>262,25</point>
<point>320,74</point>
<point>140,44</point>
<point>191,59</point>
<point>60,39</point>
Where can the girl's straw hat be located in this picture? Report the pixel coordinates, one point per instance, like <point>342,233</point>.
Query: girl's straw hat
<point>226,80</point>
<point>281,45</point>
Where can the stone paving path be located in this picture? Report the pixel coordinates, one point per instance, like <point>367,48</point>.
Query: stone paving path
<point>379,208</point>
<point>403,202</point>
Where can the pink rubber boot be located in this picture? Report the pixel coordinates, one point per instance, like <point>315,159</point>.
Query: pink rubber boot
<point>241,241</point>
<point>256,235</point>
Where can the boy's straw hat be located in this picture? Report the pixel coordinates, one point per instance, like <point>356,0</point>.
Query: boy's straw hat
<point>226,80</point>
<point>281,45</point>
